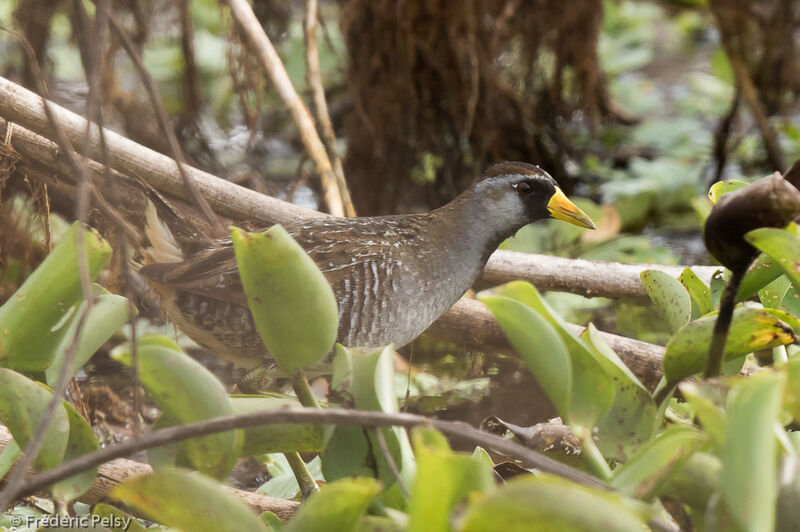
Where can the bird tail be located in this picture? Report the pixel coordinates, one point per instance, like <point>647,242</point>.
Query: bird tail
<point>163,246</point>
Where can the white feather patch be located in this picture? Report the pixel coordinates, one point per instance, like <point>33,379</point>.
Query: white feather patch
<point>163,248</point>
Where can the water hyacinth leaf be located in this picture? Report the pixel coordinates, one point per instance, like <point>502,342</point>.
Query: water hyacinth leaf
<point>716,286</point>
<point>782,245</point>
<point>545,503</point>
<point>170,455</point>
<point>592,390</point>
<point>723,187</point>
<point>750,492</point>
<point>707,400</point>
<point>791,398</point>
<point>698,292</point>
<point>670,298</point>
<point>8,456</point>
<point>772,295</point>
<point>336,508</point>
<point>109,312</point>
<point>751,329</point>
<point>81,441</point>
<point>283,483</point>
<point>695,482</point>
<point>371,523</point>
<point>29,320</point>
<point>644,475</point>
<point>789,319</point>
<point>187,501</point>
<point>791,301</point>
<point>539,346</point>
<point>788,507</point>
<point>443,479</point>
<point>127,522</point>
<point>367,377</point>
<point>22,405</point>
<point>274,438</point>
<point>763,271</point>
<point>186,391</point>
<point>631,420</point>
<point>293,306</point>
<point>271,519</point>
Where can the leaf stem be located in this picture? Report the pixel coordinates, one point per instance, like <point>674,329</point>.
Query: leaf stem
<point>303,390</point>
<point>304,477</point>
<point>720,335</point>
<point>591,454</point>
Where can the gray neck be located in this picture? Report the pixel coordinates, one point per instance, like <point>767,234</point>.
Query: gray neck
<point>468,230</point>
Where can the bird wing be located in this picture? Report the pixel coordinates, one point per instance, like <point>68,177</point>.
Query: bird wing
<point>214,273</point>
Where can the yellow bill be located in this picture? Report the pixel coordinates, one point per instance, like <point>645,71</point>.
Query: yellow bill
<point>563,209</point>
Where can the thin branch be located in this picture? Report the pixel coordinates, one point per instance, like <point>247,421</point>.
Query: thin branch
<point>115,472</point>
<point>164,122</point>
<point>326,416</point>
<point>35,443</point>
<point>26,109</point>
<point>314,79</point>
<point>387,455</point>
<point>260,45</point>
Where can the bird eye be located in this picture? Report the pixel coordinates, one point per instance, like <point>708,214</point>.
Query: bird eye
<point>523,188</point>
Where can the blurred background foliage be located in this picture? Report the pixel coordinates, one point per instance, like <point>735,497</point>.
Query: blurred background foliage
<point>636,107</point>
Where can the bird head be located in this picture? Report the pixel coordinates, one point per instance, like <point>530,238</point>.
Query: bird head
<point>525,193</point>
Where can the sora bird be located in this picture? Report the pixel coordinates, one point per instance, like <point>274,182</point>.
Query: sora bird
<point>392,275</point>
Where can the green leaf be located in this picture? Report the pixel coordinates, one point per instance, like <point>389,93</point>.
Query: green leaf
<point>443,479</point>
<point>592,390</point>
<point>8,456</point>
<point>782,246</point>
<point>771,296</point>
<point>723,187</point>
<point>22,405</point>
<point>698,292</point>
<point>186,391</point>
<point>292,303</point>
<point>632,419</point>
<point>645,474</point>
<point>366,378</point>
<point>274,438</point>
<point>788,507</point>
<point>371,523</point>
<point>706,400</point>
<point>670,298</point>
<point>749,473</point>
<point>283,483</point>
<point>763,271</point>
<point>187,501</point>
<point>271,519</point>
<point>716,286</point>
<point>29,320</point>
<point>695,482</point>
<point>109,312</point>
<point>336,508</point>
<point>115,519</point>
<point>544,503</point>
<point>721,68</point>
<point>81,441</point>
<point>791,398</point>
<point>539,346</point>
<point>751,329</point>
